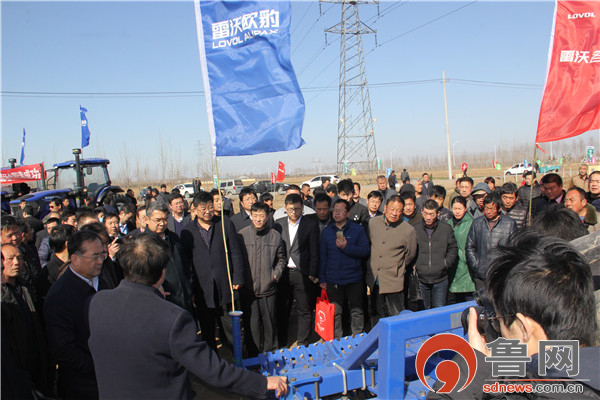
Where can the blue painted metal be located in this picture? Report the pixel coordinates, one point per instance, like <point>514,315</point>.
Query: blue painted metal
<point>382,361</point>
<point>45,195</point>
<point>86,161</point>
<point>237,337</point>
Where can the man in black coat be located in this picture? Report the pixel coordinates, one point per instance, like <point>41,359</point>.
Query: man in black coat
<point>202,240</point>
<point>178,279</point>
<point>66,323</point>
<point>301,237</point>
<point>144,346</point>
<point>553,192</point>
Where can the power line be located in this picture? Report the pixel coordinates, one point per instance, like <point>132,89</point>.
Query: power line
<point>307,89</point>
<point>309,29</point>
<point>423,25</point>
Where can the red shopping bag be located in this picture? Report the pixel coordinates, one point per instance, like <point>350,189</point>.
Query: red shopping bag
<point>325,317</point>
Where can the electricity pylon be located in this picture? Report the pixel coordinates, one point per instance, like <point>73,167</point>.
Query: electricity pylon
<point>356,137</point>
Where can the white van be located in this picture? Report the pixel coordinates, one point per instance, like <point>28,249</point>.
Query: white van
<point>231,186</point>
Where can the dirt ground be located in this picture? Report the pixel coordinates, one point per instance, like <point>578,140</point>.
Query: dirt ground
<point>439,177</point>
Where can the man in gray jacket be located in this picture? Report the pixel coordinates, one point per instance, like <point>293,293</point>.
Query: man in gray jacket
<point>485,234</point>
<point>393,247</point>
<point>265,256</point>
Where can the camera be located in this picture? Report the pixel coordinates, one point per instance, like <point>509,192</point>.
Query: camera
<point>485,315</point>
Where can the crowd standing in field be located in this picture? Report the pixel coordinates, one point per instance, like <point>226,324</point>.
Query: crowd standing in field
<point>396,248</point>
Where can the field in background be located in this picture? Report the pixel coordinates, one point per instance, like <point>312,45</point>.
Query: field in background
<point>439,177</point>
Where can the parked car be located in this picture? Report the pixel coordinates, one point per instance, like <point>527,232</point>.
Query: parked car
<point>231,186</point>
<point>316,181</point>
<point>186,189</point>
<point>267,186</point>
<point>517,169</point>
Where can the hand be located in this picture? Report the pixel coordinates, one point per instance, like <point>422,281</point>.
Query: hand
<point>341,244</point>
<point>313,279</point>
<point>323,285</point>
<point>113,249</point>
<point>278,384</point>
<point>162,291</point>
<point>368,291</point>
<point>476,340</point>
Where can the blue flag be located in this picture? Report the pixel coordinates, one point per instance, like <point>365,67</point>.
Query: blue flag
<point>22,148</point>
<point>85,131</point>
<point>253,100</point>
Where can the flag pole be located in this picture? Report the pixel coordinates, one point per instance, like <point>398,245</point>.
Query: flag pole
<point>235,315</point>
<point>225,238</point>
<point>532,182</point>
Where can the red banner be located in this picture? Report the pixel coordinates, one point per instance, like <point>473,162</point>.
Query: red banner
<point>280,172</point>
<point>25,173</point>
<point>272,177</point>
<point>571,101</point>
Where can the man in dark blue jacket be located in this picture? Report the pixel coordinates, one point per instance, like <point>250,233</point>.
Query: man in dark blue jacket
<point>343,245</point>
<point>144,346</point>
<point>64,313</point>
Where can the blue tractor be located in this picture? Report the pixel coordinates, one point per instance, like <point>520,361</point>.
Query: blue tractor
<point>74,179</point>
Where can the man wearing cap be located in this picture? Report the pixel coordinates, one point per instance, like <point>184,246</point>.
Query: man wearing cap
<point>478,194</point>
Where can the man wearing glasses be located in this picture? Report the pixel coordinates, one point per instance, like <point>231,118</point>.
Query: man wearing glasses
<point>202,240</point>
<point>301,236</point>
<point>177,285</point>
<point>64,313</point>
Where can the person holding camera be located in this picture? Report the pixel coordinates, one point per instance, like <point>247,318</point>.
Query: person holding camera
<point>537,289</point>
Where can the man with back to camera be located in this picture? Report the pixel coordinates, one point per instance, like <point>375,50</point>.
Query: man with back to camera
<point>541,289</point>
<point>144,346</point>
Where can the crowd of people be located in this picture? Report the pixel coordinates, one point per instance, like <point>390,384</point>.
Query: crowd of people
<point>399,248</point>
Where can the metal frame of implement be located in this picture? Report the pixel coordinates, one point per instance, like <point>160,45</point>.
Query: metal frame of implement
<point>382,361</point>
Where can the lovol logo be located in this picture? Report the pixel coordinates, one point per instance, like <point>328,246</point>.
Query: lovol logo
<point>447,371</point>
<point>582,15</point>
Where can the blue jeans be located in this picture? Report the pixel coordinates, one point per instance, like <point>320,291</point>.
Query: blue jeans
<point>434,294</point>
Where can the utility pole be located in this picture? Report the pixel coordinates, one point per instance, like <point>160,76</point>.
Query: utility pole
<point>447,127</point>
<point>356,138</point>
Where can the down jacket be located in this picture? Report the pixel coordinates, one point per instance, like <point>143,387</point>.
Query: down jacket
<point>342,267</point>
<point>265,256</point>
<point>437,253</point>
<point>482,241</point>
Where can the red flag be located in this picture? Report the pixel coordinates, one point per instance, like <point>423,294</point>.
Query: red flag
<point>280,172</point>
<point>272,178</point>
<point>571,101</point>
